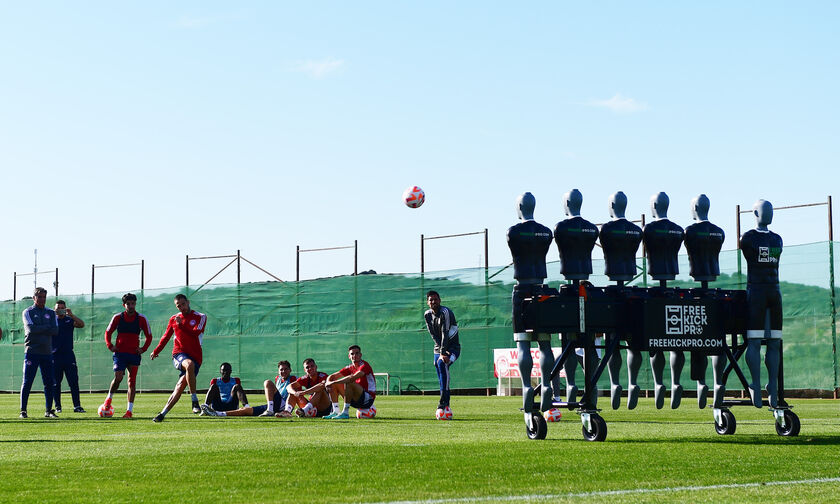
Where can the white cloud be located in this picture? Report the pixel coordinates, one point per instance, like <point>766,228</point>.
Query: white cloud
<point>321,68</point>
<point>620,104</point>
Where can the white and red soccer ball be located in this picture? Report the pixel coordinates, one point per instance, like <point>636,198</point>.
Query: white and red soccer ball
<point>105,410</point>
<point>443,413</point>
<point>366,413</point>
<point>553,415</point>
<point>414,197</point>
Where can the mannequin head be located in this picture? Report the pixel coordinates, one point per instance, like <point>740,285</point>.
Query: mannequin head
<point>618,204</point>
<point>525,206</point>
<point>700,208</point>
<point>573,201</point>
<point>659,205</point>
<point>763,211</point>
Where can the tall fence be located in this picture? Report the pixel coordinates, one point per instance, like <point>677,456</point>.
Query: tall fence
<point>254,325</point>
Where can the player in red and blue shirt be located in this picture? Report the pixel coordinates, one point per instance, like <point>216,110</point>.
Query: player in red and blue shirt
<point>188,327</point>
<point>355,383</point>
<point>311,384</point>
<point>127,351</point>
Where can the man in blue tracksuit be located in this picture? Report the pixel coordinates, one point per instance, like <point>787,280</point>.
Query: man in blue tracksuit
<point>40,324</point>
<point>64,359</point>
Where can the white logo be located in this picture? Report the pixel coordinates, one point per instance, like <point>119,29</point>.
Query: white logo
<point>192,322</point>
<point>685,319</point>
<point>763,254</point>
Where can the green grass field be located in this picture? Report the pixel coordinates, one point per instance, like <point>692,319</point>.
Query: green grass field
<point>404,454</point>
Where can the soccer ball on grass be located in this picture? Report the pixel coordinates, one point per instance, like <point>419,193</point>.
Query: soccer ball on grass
<point>443,414</point>
<point>366,413</point>
<point>105,411</point>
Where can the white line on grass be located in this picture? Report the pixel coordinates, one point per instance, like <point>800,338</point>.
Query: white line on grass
<point>602,493</point>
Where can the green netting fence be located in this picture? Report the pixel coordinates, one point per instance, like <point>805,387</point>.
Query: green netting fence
<point>254,325</point>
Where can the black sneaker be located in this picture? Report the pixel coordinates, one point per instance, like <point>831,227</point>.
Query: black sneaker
<point>196,407</point>
<point>158,418</point>
<point>58,409</point>
<point>50,414</point>
<point>23,414</point>
<point>79,409</point>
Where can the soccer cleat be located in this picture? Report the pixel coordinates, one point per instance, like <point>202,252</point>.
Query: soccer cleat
<point>23,414</point>
<point>50,414</point>
<point>196,408</point>
<point>341,416</point>
<point>330,416</point>
<point>128,414</point>
<point>79,409</point>
<point>266,413</point>
<point>206,410</point>
<point>58,409</point>
<point>283,414</point>
<point>299,412</point>
<point>158,418</point>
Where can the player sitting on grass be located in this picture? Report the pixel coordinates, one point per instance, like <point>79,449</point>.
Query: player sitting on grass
<point>311,384</point>
<point>355,383</point>
<point>225,391</point>
<point>276,393</point>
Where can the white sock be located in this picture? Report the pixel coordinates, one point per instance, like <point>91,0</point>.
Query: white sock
<point>110,396</point>
<point>290,407</point>
<point>335,407</point>
<point>270,406</point>
<point>346,409</point>
<point>130,406</point>
<point>247,405</point>
<point>221,413</point>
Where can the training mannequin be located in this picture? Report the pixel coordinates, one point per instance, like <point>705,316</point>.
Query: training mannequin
<point>620,240</point>
<point>529,242</point>
<point>703,241</point>
<point>575,238</point>
<point>663,239</point>
<point>762,249</point>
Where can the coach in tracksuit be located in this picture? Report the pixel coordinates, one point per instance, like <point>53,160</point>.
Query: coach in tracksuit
<point>39,325</point>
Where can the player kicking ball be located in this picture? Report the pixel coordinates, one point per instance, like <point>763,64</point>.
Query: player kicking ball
<point>356,384</point>
<point>188,327</point>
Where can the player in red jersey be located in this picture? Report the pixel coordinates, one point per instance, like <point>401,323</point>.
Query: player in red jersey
<point>127,351</point>
<point>311,384</point>
<point>355,383</point>
<point>188,327</point>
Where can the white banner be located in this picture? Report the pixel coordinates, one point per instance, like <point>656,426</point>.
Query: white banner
<point>506,362</point>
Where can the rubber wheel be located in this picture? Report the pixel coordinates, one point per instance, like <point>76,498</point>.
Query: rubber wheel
<point>791,425</point>
<point>727,423</point>
<point>540,428</point>
<point>599,428</point>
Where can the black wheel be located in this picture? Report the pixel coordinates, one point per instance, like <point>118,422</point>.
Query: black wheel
<point>791,425</point>
<point>599,428</point>
<point>540,429</point>
<point>727,423</point>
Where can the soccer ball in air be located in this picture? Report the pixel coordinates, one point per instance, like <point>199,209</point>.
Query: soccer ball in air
<point>553,415</point>
<point>105,411</point>
<point>443,414</point>
<point>366,413</point>
<point>414,197</point>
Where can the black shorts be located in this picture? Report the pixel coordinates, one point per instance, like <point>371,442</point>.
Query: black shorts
<point>364,401</point>
<point>760,298</point>
<point>220,405</point>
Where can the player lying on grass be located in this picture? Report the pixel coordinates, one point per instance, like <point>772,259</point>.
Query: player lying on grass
<point>276,395</point>
<point>226,392</point>
<point>355,383</point>
<point>311,384</point>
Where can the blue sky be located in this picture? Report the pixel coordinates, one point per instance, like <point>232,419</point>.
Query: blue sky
<point>162,129</point>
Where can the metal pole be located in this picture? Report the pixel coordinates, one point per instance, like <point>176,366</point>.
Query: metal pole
<point>238,267</point>
<point>297,265</point>
<point>14,287</point>
<point>486,258</point>
<point>644,256</point>
<point>188,271</point>
<point>56,282</point>
<point>738,238</point>
<point>142,274</point>
<point>355,257</point>
<point>832,296</point>
<point>92,281</point>
<point>421,254</point>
